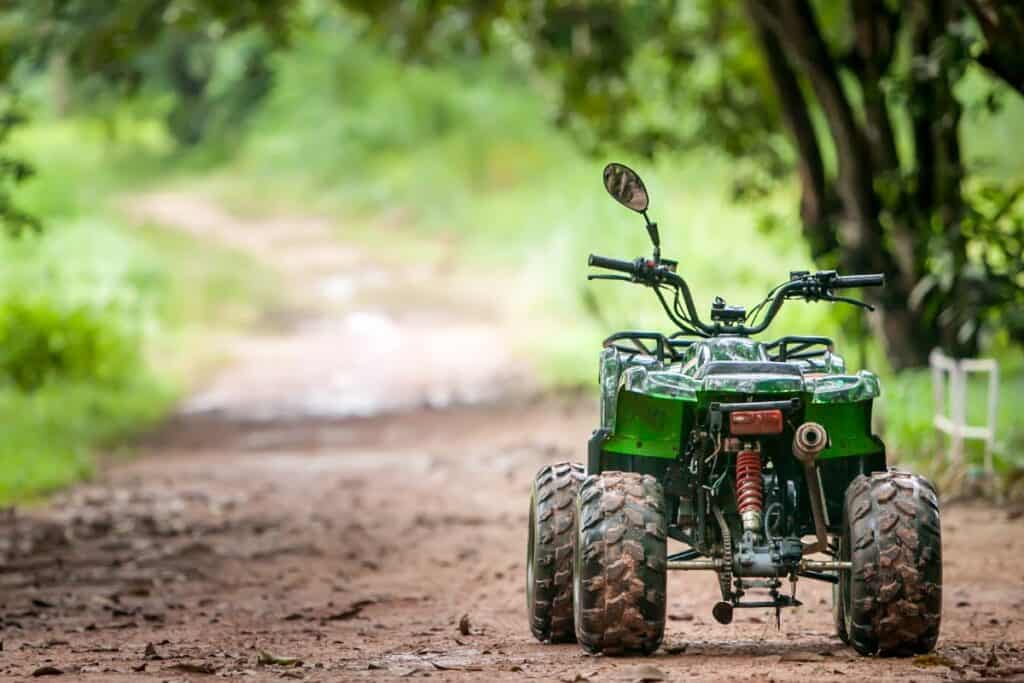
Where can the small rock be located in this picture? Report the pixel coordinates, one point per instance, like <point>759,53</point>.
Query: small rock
<point>47,671</point>
<point>575,678</point>
<point>801,656</point>
<point>194,668</point>
<point>351,611</point>
<point>933,659</point>
<point>464,625</point>
<point>644,673</point>
<point>267,659</point>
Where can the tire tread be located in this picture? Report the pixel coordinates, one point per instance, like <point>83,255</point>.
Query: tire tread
<point>621,564</point>
<point>553,511</point>
<point>895,587</point>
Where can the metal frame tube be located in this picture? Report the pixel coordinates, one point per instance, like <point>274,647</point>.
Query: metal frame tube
<point>695,565</point>
<point>807,454</point>
<point>825,565</point>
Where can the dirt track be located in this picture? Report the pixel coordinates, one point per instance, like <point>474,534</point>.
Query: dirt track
<point>257,521</point>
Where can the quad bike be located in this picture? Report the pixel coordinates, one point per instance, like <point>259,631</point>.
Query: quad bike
<point>739,450</point>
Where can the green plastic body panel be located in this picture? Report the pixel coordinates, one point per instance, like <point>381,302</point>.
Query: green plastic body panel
<point>647,425</point>
<point>848,426</point>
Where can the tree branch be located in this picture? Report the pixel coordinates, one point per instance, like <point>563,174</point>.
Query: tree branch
<point>1002,24</point>
<point>816,207</point>
<point>875,30</point>
<point>862,231</point>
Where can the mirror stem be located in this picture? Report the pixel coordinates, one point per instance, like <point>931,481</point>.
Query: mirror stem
<point>652,232</point>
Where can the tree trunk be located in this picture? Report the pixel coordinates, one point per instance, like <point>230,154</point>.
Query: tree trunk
<point>863,246</point>
<point>935,122</point>
<point>817,202</point>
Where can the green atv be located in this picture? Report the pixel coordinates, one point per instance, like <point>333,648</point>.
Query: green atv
<point>739,450</point>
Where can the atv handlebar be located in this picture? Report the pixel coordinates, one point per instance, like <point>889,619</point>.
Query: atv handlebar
<point>801,284</point>
<point>628,267</point>
<point>850,281</point>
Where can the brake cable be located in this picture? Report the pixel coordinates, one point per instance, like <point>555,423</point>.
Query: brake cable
<point>681,324</point>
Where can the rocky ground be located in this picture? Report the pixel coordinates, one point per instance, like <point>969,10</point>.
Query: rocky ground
<point>279,529</point>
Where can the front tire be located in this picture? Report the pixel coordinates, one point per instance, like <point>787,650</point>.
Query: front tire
<point>549,551</point>
<point>892,597</point>
<point>620,577</point>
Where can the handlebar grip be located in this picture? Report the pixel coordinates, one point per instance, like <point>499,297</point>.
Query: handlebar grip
<point>627,267</point>
<point>872,280</point>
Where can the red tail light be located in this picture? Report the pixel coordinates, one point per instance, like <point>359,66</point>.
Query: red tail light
<point>744,422</point>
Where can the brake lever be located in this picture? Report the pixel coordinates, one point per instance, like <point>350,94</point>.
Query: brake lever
<point>610,277</point>
<point>847,300</point>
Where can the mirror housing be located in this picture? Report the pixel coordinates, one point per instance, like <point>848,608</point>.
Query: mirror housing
<point>626,187</point>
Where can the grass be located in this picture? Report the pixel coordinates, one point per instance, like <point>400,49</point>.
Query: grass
<point>907,409</point>
<point>49,436</point>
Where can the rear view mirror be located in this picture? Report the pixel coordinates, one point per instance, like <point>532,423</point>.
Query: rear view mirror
<point>625,186</point>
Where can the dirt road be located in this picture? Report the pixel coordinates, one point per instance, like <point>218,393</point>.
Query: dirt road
<point>272,520</point>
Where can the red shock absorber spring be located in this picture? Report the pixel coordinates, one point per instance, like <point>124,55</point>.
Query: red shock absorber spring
<point>749,494</point>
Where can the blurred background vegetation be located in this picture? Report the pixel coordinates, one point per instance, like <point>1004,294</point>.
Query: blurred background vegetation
<point>772,134</point>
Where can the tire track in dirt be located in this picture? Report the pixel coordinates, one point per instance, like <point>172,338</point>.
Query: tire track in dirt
<point>253,532</point>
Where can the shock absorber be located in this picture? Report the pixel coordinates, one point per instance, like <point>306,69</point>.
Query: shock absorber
<point>749,489</point>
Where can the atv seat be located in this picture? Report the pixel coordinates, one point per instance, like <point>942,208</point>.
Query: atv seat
<point>742,367</point>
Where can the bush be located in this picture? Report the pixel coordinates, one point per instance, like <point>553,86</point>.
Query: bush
<point>41,341</point>
<point>77,305</point>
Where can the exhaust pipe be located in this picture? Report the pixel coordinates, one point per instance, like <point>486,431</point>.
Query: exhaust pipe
<point>808,442</point>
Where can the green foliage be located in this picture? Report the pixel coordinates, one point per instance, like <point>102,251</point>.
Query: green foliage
<point>99,319</point>
<point>113,40</point>
<point>47,436</point>
<point>906,413</point>
<point>662,76</point>
<point>40,342</point>
<point>13,171</point>
<point>207,58</point>
<point>76,304</point>
<point>868,94</point>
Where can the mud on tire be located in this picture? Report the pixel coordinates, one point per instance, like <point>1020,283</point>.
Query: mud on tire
<point>620,576</point>
<point>892,597</point>
<point>549,552</point>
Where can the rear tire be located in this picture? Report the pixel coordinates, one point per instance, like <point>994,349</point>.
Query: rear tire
<point>892,597</point>
<point>620,576</point>
<point>549,552</point>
